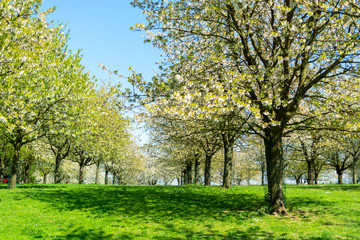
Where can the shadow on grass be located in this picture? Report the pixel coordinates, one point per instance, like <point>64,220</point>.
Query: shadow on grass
<point>26,186</point>
<point>336,187</point>
<point>79,234</point>
<point>250,234</point>
<point>41,186</point>
<point>151,203</point>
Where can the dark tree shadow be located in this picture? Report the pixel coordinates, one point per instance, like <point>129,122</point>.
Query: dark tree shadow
<point>336,187</point>
<point>27,186</point>
<point>151,203</point>
<point>40,186</point>
<point>81,234</point>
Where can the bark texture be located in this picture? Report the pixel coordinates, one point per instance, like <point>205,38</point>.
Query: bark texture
<point>228,142</point>
<point>207,169</point>
<point>275,169</point>
<point>197,169</point>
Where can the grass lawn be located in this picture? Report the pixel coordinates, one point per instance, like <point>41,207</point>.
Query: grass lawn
<point>176,212</point>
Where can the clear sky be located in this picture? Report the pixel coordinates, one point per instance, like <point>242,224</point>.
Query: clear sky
<point>102,30</point>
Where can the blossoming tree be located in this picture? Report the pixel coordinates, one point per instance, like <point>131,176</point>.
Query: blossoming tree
<point>281,63</point>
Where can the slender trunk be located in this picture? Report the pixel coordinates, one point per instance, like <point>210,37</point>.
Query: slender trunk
<point>340,178</point>
<point>81,173</point>
<point>14,164</point>
<point>189,172</point>
<point>185,177</point>
<point>354,173</point>
<point>57,173</point>
<point>114,179</point>
<point>316,177</point>
<point>197,169</point>
<point>97,173</point>
<point>310,165</point>
<point>228,161</point>
<point>106,176</point>
<point>2,169</point>
<point>262,174</point>
<point>275,169</point>
<point>26,173</point>
<point>179,181</point>
<point>298,179</point>
<point>119,180</point>
<point>207,169</point>
<point>44,178</point>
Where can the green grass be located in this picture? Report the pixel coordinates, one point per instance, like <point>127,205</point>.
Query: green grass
<point>173,212</point>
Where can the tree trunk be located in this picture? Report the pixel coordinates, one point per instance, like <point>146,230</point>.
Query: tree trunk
<point>262,174</point>
<point>354,173</point>
<point>275,168</point>
<point>316,177</point>
<point>57,173</point>
<point>106,177</point>
<point>114,179</point>
<point>197,169</point>
<point>228,160</point>
<point>179,181</point>
<point>14,164</point>
<point>2,169</point>
<point>340,178</point>
<point>44,178</point>
<point>189,179</point>
<point>119,180</point>
<point>81,173</point>
<point>310,164</point>
<point>207,169</point>
<point>97,173</point>
<point>26,173</point>
<point>185,177</point>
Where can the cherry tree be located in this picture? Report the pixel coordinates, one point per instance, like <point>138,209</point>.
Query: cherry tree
<point>286,63</point>
<point>38,74</point>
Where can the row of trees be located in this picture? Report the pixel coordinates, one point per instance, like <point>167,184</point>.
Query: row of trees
<point>236,69</point>
<point>308,157</point>
<point>50,108</point>
<point>282,71</point>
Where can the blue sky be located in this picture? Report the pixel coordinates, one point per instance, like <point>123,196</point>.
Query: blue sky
<point>102,30</point>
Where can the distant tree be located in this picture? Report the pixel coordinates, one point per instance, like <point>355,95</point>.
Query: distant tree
<point>352,142</point>
<point>45,167</point>
<point>340,162</point>
<point>310,146</point>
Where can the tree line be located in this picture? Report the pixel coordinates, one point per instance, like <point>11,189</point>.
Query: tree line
<point>51,110</point>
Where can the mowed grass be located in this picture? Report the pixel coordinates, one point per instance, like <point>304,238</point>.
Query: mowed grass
<point>176,212</point>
